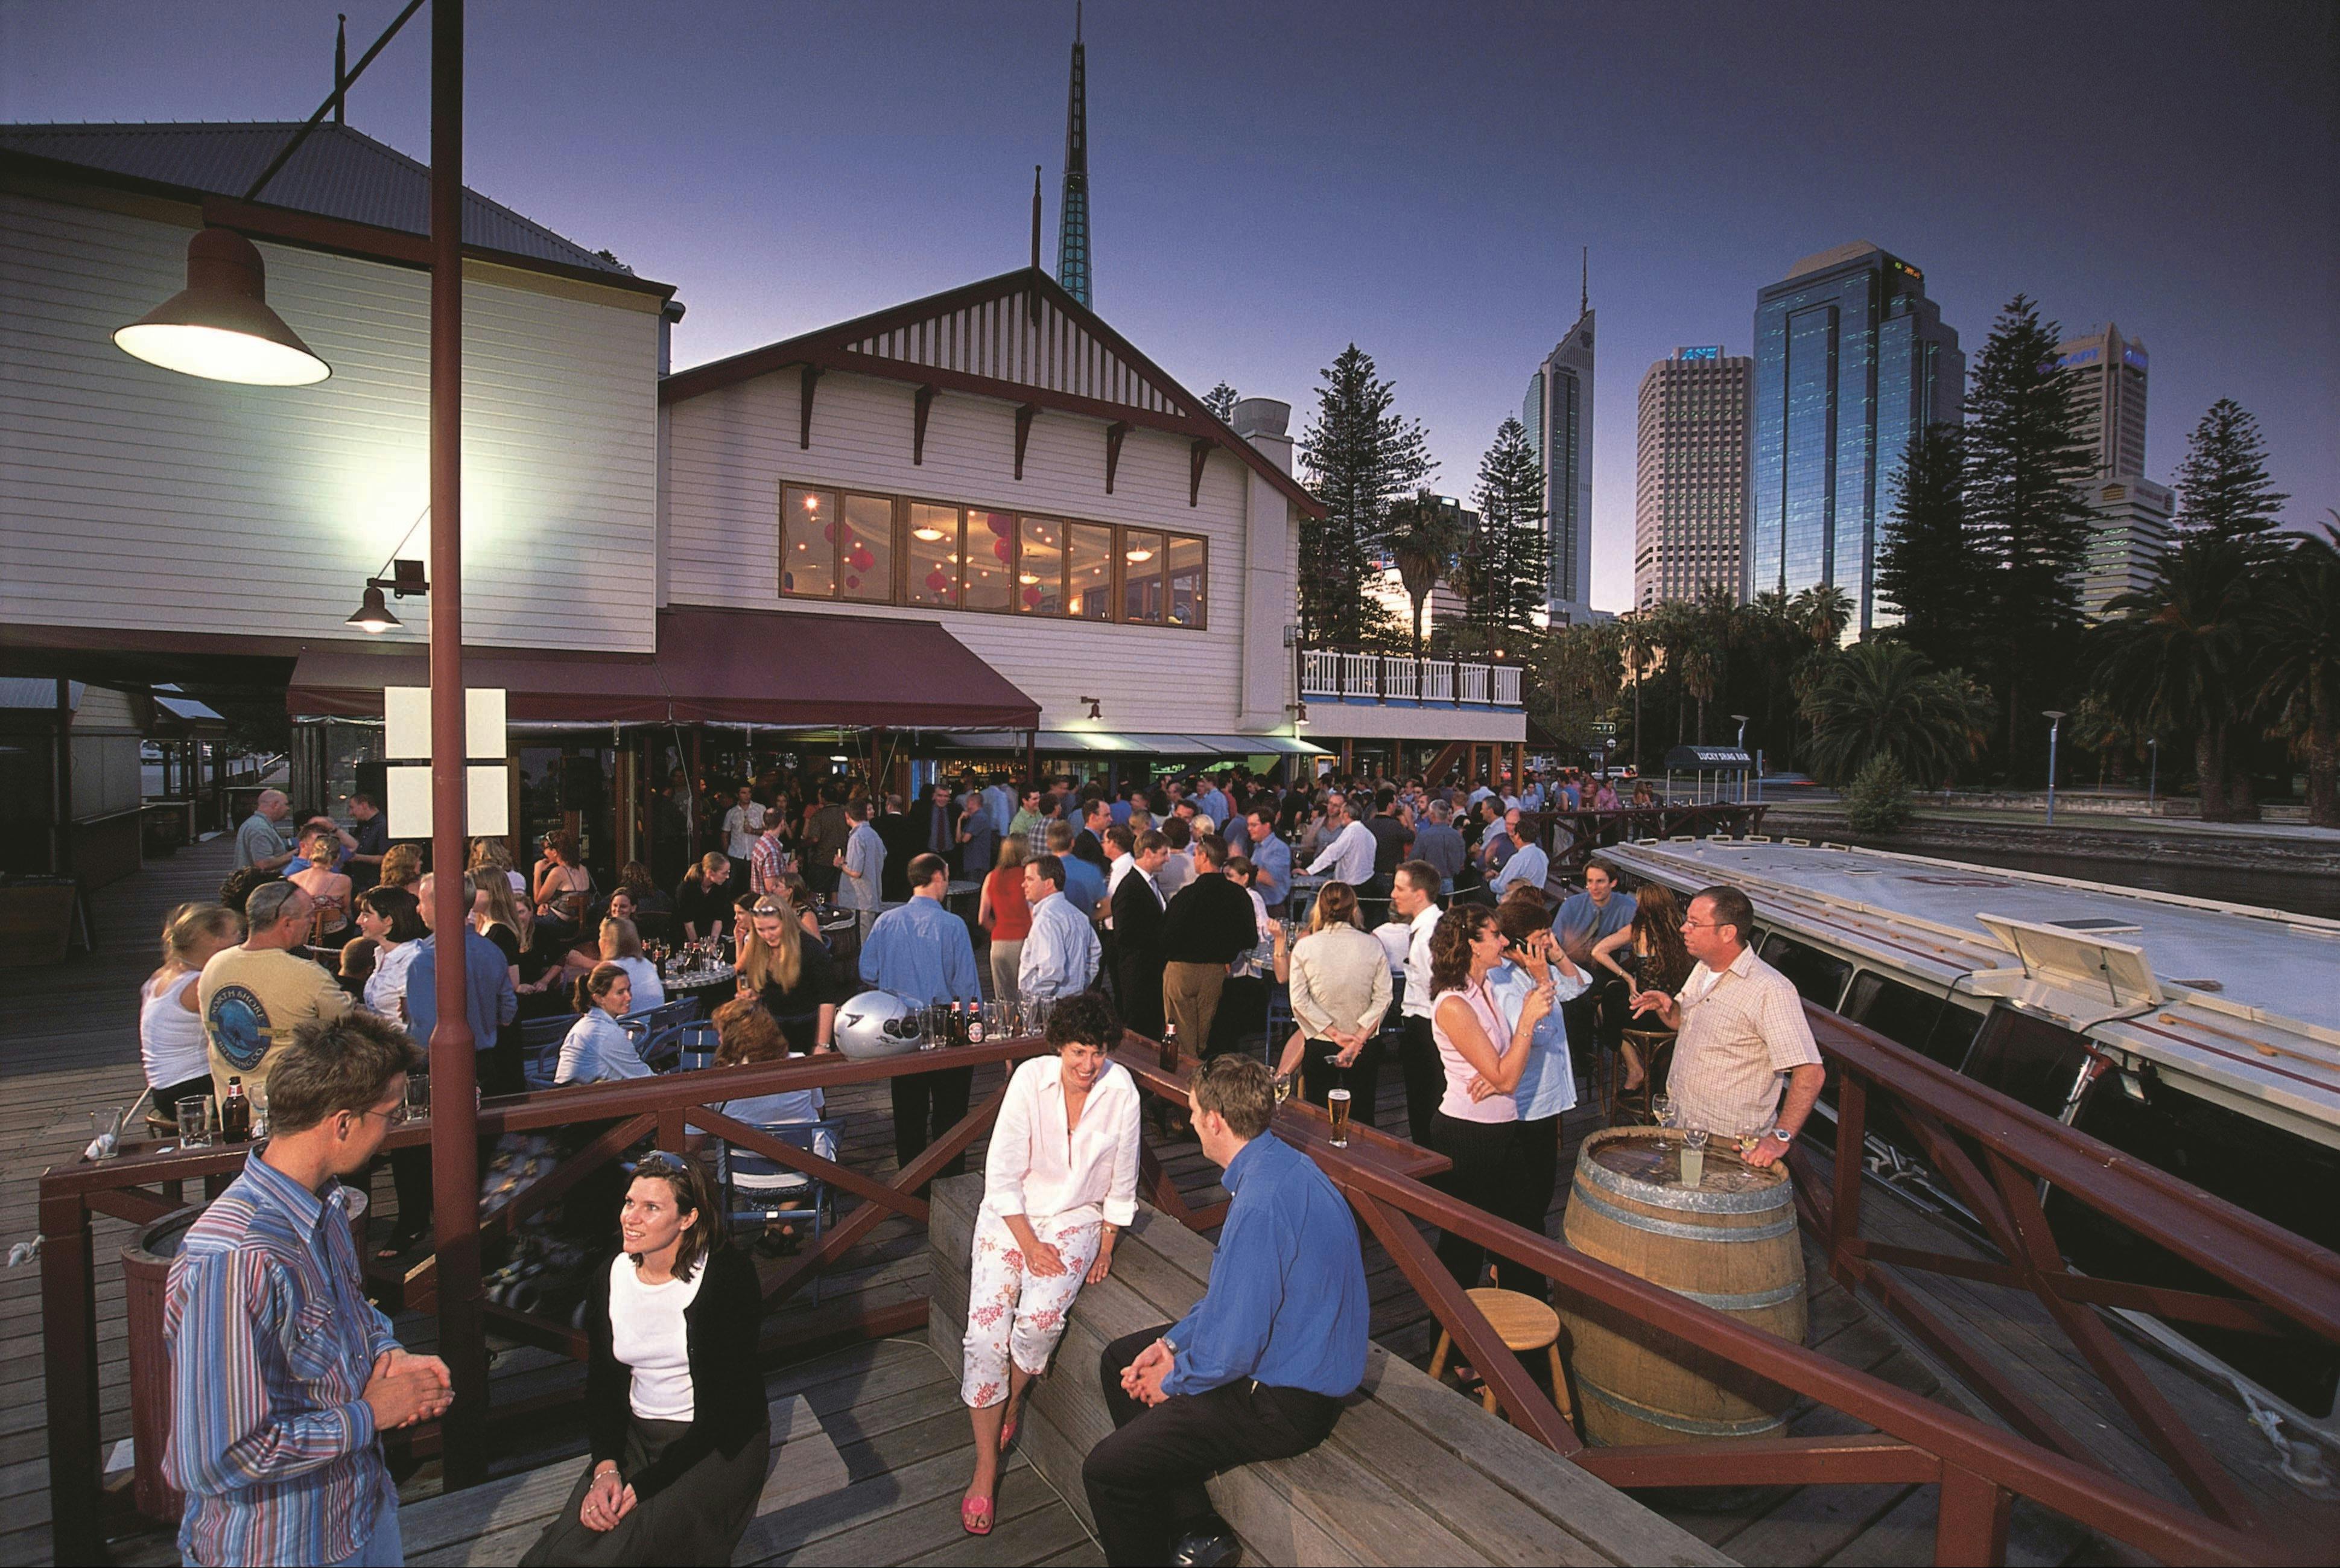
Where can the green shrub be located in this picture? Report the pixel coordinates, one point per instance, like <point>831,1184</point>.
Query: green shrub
<point>1878,799</point>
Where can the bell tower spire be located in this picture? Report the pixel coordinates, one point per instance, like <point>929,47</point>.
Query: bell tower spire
<point>1073,263</point>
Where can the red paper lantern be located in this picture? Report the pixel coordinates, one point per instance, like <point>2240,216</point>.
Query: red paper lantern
<point>1032,596</point>
<point>999,547</point>
<point>996,523</point>
<point>852,582</point>
<point>937,582</point>
<point>828,531</point>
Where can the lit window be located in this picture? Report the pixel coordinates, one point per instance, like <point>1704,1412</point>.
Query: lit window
<point>1187,563</point>
<point>808,542</point>
<point>931,556</point>
<point>1040,568</point>
<point>1088,572</point>
<point>990,563</point>
<point>1141,576</point>
<point>865,549</point>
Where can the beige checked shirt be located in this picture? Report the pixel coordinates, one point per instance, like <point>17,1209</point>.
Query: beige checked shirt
<point>1740,1029</point>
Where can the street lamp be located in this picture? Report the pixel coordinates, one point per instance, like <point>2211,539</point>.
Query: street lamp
<point>2055,717</point>
<point>2153,770</point>
<point>220,328</point>
<point>1742,744</point>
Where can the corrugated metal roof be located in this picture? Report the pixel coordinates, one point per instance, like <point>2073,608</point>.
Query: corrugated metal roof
<point>338,172</point>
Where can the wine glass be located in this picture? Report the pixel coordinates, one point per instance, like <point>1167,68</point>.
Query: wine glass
<point>1661,1110</point>
<point>1283,1088</point>
<point>1696,1137</point>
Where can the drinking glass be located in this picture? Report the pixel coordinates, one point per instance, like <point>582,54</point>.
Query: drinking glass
<point>1694,1156</point>
<point>1336,1105</point>
<point>418,1096</point>
<point>1661,1109</point>
<point>1283,1088</point>
<point>194,1122</point>
<point>105,1131</point>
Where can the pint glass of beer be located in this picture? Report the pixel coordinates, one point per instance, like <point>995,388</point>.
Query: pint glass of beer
<point>1336,1103</point>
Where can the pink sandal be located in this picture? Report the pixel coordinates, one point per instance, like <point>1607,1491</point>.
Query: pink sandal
<point>975,1515</point>
<point>1007,1433</point>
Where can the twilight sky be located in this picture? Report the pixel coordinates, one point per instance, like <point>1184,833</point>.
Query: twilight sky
<point>1270,182</point>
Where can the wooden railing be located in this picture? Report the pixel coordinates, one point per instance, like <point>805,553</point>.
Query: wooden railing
<point>1992,1150</point>
<point>1349,675</point>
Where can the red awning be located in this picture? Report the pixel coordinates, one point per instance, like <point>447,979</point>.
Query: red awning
<point>712,666</point>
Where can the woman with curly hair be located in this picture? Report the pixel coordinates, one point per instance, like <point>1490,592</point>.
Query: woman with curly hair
<point>1476,1124</point>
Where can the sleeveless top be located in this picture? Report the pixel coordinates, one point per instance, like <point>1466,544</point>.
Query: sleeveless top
<point>1458,1102</point>
<point>171,1038</point>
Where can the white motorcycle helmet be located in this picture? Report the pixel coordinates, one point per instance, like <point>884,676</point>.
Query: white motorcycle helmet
<point>880,1024</point>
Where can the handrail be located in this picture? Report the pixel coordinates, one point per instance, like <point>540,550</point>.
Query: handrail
<point>1359,675</point>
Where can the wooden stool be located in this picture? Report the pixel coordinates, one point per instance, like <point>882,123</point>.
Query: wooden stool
<point>1622,1107</point>
<point>1523,1323</point>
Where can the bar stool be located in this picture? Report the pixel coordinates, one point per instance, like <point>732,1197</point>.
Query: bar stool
<point>1619,1106</point>
<point>1523,1323</point>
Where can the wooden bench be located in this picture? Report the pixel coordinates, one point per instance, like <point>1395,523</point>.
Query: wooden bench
<point>498,1522</point>
<point>1413,1473</point>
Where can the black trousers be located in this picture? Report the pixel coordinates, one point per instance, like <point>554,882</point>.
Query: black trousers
<point>1530,1195</point>
<point>1486,1176</point>
<point>1137,990</point>
<point>925,1107</point>
<point>1144,1482</point>
<point>1425,1077</point>
<point>1361,1078</point>
<point>1240,1022</point>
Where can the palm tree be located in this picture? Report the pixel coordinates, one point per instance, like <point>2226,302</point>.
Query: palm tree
<point>2297,623</point>
<point>1823,611</point>
<point>1885,698</point>
<point>1637,642</point>
<point>2176,658</point>
<point>1423,536</point>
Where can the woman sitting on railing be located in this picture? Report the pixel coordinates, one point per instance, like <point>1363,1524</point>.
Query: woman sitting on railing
<point>1060,1181</point>
<point>1648,956</point>
<point>598,1047</point>
<point>1476,1124</point>
<point>745,1033</point>
<point>682,1438</point>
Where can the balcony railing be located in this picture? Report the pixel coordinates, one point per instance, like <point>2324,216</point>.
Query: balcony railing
<point>1344,675</point>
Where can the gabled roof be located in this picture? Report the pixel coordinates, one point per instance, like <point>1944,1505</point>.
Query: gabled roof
<point>338,172</point>
<point>1018,337</point>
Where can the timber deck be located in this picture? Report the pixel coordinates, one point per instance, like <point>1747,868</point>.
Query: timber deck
<point>887,1407</point>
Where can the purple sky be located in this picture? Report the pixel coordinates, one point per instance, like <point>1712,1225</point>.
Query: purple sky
<point>1270,182</point>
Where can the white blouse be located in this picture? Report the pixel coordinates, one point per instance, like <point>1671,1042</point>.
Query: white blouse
<point>1042,1169</point>
<point>650,1334</point>
<point>597,1050</point>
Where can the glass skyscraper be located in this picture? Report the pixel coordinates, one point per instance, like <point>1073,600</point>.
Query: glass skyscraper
<point>1852,360</point>
<point>1558,414</point>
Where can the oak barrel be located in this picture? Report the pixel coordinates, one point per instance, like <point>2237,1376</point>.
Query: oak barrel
<point>1730,1244</point>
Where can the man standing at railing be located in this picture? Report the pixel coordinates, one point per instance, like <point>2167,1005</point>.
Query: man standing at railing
<point>1259,1368</point>
<point>921,952</point>
<point>1742,1029</point>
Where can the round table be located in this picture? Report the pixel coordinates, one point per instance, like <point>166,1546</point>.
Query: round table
<point>711,988</point>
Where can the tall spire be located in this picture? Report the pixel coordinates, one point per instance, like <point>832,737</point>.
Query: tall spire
<point>340,69</point>
<point>1073,210</point>
<point>1584,284</point>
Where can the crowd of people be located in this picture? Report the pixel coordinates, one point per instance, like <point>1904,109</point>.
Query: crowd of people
<point>1285,938</point>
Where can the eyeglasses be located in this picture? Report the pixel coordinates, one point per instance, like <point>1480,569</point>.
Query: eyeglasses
<point>658,1162</point>
<point>395,1117</point>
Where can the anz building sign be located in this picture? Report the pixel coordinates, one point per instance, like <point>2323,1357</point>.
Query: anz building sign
<point>1711,352</point>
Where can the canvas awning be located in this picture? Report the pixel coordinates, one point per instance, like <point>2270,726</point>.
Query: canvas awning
<point>1069,742</point>
<point>712,667</point>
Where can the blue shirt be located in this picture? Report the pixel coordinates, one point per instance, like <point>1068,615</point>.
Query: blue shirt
<point>1084,885</point>
<point>1527,864</point>
<point>1272,857</point>
<point>921,951</point>
<point>1286,1304</point>
<point>488,1000</point>
<point>272,1342</point>
<point>1548,1083</point>
<point>1121,813</point>
<point>1581,923</point>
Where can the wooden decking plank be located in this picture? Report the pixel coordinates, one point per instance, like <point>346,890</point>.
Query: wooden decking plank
<point>783,1537</point>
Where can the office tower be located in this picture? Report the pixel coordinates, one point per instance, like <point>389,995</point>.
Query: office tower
<point>1073,261</point>
<point>2108,373</point>
<point>1558,413</point>
<point>1690,475</point>
<point>2130,515</point>
<point>1852,360</point>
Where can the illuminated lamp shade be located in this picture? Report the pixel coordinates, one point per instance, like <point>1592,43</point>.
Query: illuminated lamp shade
<point>1137,555</point>
<point>372,615</point>
<point>219,326</point>
<point>927,531</point>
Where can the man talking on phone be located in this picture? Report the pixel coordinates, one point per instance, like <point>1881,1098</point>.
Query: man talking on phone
<point>1259,1368</point>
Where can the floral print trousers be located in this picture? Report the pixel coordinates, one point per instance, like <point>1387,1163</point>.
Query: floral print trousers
<point>1012,1312</point>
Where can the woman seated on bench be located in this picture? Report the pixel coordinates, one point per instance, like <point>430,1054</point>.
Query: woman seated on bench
<point>681,1439</point>
<point>745,1034</point>
<point>1060,1181</point>
<point>598,1047</point>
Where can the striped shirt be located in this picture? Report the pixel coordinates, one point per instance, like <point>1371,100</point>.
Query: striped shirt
<point>272,1344</point>
<point>767,863</point>
<point>1741,1028</point>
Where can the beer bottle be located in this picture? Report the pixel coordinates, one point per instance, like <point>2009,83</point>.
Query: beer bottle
<point>235,1115</point>
<point>975,1023</point>
<point>1169,1047</point>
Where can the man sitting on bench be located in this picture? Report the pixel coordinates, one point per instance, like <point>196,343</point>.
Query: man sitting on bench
<point>1259,1368</point>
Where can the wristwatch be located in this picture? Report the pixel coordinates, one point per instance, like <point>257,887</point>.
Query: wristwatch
<point>1783,1135</point>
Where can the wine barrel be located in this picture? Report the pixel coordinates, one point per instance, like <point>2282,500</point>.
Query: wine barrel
<point>1730,1244</point>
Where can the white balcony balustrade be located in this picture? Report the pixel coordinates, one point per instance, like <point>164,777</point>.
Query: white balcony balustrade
<point>1339,675</point>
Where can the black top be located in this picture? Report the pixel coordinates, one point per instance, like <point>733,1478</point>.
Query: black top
<point>506,939</point>
<point>797,1007</point>
<point>904,841</point>
<point>1138,917</point>
<point>696,904</point>
<point>727,1409</point>
<point>1210,921</point>
<point>1391,839</point>
<point>1086,847</point>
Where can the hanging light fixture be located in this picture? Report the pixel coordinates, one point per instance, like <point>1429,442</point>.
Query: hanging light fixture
<point>372,614</point>
<point>219,326</point>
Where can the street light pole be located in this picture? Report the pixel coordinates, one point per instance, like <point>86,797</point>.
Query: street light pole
<point>454,1069</point>
<point>2153,771</point>
<point>2055,717</point>
<point>1741,745</point>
